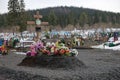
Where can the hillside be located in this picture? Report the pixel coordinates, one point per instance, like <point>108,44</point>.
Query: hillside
<point>70,15</point>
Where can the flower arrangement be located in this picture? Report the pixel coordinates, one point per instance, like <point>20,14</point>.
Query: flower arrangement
<point>57,49</point>
<point>3,50</point>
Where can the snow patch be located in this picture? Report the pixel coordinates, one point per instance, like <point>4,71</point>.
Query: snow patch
<point>22,53</point>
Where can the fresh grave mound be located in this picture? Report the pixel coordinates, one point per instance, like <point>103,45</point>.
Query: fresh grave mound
<point>52,62</point>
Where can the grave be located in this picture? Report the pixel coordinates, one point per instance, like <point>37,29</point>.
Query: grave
<point>52,62</point>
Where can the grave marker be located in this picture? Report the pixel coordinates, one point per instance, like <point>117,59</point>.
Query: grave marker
<point>38,23</point>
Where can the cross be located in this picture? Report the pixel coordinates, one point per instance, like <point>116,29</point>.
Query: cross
<point>38,23</point>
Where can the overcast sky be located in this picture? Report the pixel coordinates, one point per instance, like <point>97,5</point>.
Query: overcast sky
<point>105,5</point>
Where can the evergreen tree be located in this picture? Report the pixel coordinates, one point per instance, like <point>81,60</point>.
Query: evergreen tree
<point>104,17</point>
<point>22,6</point>
<point>13,14</point>
<point>91,20</point>
<point>62,21</point>
<point>118,18</point>
<point>52,18</point>
<point>96,17</point>
<point>113,18</point>
<point>16,14</point>
<point>23,16</point>
<point>13,6</point>
<point>83,19</point>
<point>5,20</point>
<point>71,18</point>
<point>1,21</point>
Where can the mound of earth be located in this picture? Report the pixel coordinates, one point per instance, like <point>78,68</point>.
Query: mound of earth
<point>52,62</point>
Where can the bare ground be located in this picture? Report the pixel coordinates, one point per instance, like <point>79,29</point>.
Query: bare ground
<point>99,65</point>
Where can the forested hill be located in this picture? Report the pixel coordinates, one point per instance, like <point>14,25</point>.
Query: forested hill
<point>71,15</point>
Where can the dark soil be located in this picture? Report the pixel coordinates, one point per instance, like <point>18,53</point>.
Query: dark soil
<point>8,74</point>
<point>90,64</point>
<point>53,62</point>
